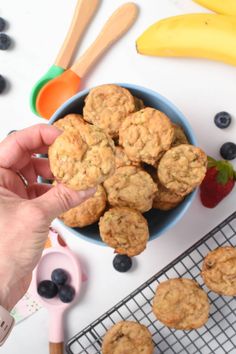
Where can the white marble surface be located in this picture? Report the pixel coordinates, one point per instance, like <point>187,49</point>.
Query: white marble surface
<point>199,88</point>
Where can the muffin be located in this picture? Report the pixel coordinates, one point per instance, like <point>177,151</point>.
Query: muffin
<point>181,304</point>
<point>107,106</point>
<point>125,230</point>
<point>182,168</point>
<point>219,271</point>
<point>131,187</point>
<point>145,135</point>
<point>122,159</point>
<point>138,104</point>
<point>82,158</point>
<point>88,212</point>
<point>70,121</point>
<point>179,136</point>
<point>128,337</point>
<point>165,199</point>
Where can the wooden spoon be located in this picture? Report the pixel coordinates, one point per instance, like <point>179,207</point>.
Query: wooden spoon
<point>58,90</point>
<point>83,14</point>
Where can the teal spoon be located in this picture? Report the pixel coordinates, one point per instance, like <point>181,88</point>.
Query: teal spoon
<point>83,14</point>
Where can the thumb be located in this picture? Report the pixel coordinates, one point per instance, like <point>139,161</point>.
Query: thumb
<point>60,199</point>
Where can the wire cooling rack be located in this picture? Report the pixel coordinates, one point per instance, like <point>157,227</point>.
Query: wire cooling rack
<point>218,336</point>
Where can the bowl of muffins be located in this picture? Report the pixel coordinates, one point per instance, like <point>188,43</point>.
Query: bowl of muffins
<point>139,151</point>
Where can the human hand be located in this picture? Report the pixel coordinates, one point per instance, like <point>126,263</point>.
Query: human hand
<point>27,209</point>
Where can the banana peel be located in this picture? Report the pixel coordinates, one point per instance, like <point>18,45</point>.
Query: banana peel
<point>225,7</point>
<point>209,36</point>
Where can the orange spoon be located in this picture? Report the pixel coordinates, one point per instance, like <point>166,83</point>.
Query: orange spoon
<point>58,90</point>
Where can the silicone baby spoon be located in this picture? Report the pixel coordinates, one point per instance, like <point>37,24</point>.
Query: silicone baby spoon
<point>58,256</point>
<point>83,14</point>
<point>58,90</point>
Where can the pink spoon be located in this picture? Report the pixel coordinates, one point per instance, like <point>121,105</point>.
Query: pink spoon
<point>59,256</point>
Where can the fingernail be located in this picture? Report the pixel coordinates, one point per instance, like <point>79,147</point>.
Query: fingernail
<point>56,128</point>
<point>91,191</point>
<point>88,193</point>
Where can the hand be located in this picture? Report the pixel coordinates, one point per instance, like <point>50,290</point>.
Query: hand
<point>27,209</point>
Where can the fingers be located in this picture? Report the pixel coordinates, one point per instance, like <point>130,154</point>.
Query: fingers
<point>10,181</point>
<point>60,199</point>
<point>38,189</point>
<point>28,173</point>
<point>17,148</point>
<point>36,167</point>
<point>42,167</point>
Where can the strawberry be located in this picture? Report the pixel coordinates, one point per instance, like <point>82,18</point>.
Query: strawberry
<point>218,182</point>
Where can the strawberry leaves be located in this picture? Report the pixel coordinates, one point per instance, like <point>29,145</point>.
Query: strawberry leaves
<point>224,168</point>
<point>211,162</point>
<point>218,182</point>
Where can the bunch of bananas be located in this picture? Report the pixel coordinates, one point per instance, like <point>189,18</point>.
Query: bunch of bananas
<point>225,7</point>
<point>211,36</point>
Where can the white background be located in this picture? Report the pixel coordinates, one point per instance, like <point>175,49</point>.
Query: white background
<point>199,88</point>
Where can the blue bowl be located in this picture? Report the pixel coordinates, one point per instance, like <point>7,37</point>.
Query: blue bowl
<point>159,221</point>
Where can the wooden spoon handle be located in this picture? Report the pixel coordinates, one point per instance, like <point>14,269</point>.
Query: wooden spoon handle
<point>56,348</point>
<point>119,23</point>
<point>84,12</point>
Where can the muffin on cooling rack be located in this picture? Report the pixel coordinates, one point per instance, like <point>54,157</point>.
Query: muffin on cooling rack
<point>128,337</point>
<point>219,271</point>
<point>181,304</point>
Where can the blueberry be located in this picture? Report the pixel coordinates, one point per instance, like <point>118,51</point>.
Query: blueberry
<point>2,84</point>
<point>47,289</point>
<point>2,24</point>
<point>59,276</point>
<point>5,41</point>
<point>222,120</point>
<point>11,131</point>
<point>66,293</point>
<point>228,151</point>
<point>122,263</point>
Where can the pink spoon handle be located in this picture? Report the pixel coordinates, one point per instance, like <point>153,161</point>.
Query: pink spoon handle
<point>56,332</point>
<point>59,255</point>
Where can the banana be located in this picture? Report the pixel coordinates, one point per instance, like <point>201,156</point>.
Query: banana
<point>208,36</point>
<point>225,7</point>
